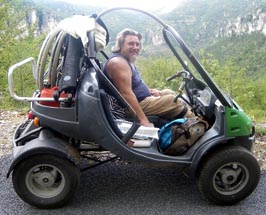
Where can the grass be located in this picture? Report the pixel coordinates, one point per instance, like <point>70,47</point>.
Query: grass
<point>261,131</point>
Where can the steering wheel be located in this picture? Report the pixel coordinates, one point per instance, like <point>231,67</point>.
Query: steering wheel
<point>186,77</point>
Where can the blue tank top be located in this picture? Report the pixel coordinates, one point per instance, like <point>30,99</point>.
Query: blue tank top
<point>139,88</point>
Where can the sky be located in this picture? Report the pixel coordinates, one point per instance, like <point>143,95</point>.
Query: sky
<point>162,5</point>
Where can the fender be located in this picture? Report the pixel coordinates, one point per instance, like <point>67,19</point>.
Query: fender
<point>218,144</point>
<point>46,143</point>
<point>202,153</point>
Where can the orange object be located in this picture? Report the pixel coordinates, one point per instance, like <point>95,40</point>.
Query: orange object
<point>36,121</point>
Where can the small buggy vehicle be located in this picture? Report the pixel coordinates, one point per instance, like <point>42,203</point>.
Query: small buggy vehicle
<point>71,118</point>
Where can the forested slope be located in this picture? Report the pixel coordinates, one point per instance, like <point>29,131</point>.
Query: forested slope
<point>228,36</point>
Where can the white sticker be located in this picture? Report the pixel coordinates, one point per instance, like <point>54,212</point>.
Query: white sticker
<point>67,78</point>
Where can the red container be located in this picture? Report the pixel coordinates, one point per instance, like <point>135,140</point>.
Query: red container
<point>49,93</point>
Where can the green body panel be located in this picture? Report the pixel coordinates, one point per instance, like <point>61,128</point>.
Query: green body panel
<point>237,123</point>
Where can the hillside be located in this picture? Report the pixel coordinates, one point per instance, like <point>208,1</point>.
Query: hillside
<point>248,51</point>
<point>199,21</point>
<point>203,22</point>
<point>229,30</point>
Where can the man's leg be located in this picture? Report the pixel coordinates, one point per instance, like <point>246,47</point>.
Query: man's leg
<point>164,106</point>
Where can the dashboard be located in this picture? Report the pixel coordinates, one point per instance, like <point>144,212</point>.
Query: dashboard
<point>204,102</point>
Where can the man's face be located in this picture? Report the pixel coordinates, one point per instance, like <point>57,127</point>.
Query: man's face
<point>130,48</point>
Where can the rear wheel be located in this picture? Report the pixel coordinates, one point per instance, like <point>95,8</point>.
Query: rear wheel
<point>45,181</point>
<point>229,175</point>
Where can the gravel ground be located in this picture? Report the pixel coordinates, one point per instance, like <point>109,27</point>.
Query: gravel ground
<point>9,120</point>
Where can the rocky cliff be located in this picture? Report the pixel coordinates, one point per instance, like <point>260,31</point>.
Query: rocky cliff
<point>246,24</point>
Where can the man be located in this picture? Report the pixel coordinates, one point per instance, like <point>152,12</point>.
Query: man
<point>122,72</point>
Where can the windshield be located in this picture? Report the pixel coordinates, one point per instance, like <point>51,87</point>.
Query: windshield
<point>191,64</point>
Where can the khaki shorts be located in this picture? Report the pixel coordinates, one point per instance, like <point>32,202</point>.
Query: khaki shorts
<point>164,106</point>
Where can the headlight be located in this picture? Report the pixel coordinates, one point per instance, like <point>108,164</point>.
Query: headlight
<point>205,97</point>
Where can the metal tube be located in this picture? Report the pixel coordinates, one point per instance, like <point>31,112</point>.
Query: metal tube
<point>11,84</point>
<point>10,75</point>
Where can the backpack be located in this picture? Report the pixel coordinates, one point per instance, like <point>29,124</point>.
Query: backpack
<point>177,136</point>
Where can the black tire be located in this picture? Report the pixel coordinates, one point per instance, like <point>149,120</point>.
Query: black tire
<point>46,181</point>
<point>228,176</point>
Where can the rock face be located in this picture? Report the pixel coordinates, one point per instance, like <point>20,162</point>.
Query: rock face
<point>247,24</point>
<point>45,21</point>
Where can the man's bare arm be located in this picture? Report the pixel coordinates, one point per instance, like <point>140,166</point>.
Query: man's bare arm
<point>120,73</point>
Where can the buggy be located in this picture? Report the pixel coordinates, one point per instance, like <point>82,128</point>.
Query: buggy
<point>71,116</point>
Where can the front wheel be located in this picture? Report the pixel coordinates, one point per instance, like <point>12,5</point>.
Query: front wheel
<point>229,176</point>
<point>45,181</point>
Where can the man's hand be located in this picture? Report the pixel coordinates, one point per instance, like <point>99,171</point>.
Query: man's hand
<point>155,92</point>
<point>145,122</point>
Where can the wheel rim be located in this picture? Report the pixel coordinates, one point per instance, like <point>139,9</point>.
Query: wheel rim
<point>230,178</point>
<point>45,181</point>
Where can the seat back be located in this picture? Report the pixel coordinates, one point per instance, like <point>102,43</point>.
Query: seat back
<point>109,113</point>
<point>71,65</point>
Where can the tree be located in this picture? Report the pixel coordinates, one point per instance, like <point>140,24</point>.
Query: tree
<point>9,21</point>
<point>16,43</point>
